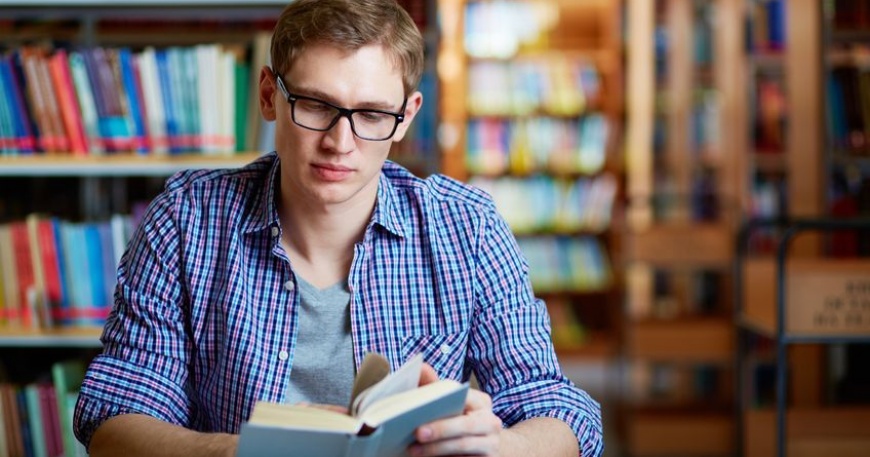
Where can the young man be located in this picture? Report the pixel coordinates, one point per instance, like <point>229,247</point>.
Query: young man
<point>271,282</point>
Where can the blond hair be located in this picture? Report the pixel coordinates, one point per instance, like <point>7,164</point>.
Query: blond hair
<point>350,25</point>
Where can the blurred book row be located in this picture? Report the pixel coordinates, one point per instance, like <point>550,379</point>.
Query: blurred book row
<point>523,146</point>
<point>99,100</point>
<point>550,84</point>
<point>542,204</point>
<point>36,417</point>
<point>566,264</point>
<point>59,273</point>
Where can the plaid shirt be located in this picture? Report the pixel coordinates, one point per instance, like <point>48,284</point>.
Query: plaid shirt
<point>206,305</point>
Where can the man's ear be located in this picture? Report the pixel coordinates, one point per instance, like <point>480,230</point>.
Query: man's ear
<point>267,93</point>
<point>415,101</point>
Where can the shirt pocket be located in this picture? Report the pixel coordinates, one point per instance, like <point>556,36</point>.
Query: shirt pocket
<point>446,352</point>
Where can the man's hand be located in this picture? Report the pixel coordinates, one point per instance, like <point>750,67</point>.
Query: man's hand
<point>476,432</point>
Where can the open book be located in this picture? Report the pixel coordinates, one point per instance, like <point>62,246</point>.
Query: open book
<point>384,411</point>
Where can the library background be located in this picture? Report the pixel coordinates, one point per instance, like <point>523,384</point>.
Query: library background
<point>689,180</point>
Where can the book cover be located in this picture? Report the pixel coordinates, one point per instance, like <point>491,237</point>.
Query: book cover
<point>68,105</point>
<point>170,99</point>
<point>50,419</point>
<point>23,125</point>
<point>12,419</point>
<point>11,309</point>
<point>35,420</point>
<point>5,443</point>
<point>25,272</point>
<point>50,91</point>
<point>130,90</point>
<point>152,93</point>
<point>381,422</point>
<point>67,377</point>
<point>36,99</point>
<point>87,103</point>
<point>9,130</point>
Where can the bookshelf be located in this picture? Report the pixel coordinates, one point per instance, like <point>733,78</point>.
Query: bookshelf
<point>814,59</point>
<point>88,187</point>
<point>531,113</point>
<point>683,150</point>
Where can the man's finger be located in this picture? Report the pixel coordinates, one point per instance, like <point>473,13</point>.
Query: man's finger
<point>477,400</point>
<point>428,375</point>
<point>475,424</point>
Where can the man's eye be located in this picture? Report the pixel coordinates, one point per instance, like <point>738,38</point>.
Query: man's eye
<point>372,116</point>
<point>314,106</point>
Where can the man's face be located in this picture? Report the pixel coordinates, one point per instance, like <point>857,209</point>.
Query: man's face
<point>334,167</point>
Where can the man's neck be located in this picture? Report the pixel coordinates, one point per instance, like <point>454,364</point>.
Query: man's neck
<point>320,240</point>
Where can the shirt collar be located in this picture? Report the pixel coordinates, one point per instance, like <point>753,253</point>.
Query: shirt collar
<point>264,213</point>
<point>386,212</point>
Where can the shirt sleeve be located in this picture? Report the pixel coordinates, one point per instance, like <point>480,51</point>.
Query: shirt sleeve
<point>143,366</point>
<point>515,362</point>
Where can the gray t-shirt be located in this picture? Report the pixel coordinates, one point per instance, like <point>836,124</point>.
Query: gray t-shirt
<point>323,367</point>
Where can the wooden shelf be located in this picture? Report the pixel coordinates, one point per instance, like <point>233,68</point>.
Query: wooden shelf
<point>770,162</point>
<point>682,245</point>
<point>599,347</point>
<point>817,432</point>
<point>686,340</point>
<point>88,337</point>
<point>680,433</point>
<point>116,164</point>
<point>826,297</point>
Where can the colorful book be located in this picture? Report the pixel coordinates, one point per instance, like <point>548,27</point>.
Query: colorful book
<point>70,112</point>
<point>67,377</point>
<point>87,104</point>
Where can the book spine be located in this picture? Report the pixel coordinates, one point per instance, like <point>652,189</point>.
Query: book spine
<point>58,65</point>
<point>152,93</point>
<point>50,91</point>
<point>87,104</point>
<point>130,92</point>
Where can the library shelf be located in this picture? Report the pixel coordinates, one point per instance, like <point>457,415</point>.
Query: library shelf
<point>823,297</point>
<point>675,432</point>
<point>811,432</point>
<point>681,245</point>
<point>116,164</point>
<point>712,340</point>
<point>770,162</point>
<point>599,346</point>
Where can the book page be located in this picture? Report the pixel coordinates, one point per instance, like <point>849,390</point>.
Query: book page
<point>379,412</point>
<point>303,418</point>
<point>406,378</point>
<point>373,369</point>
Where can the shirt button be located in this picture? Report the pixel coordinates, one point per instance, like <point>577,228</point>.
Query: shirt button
<point>275,231</point>
<point>283,355</point>
<point>445,349</point>
<point>289,286</point>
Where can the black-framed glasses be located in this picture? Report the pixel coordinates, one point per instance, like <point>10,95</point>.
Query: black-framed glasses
<point>315,114</point>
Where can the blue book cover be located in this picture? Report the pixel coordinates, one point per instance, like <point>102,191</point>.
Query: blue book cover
<point>336,434</point>
<point>190,82</point>
<point>17,109</point>
<point>169,93</point>
<point>94,259</point>
<point>131,89</point>
<point>61,265</point>
<point>24,422</point>
<point>16,67</point>
<point>8,135</point>
<point>110,268</point>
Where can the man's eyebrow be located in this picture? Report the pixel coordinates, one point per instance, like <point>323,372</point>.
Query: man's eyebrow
<point>320,95</point>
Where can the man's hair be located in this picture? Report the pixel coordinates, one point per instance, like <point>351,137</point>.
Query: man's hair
<point>350,25</point>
